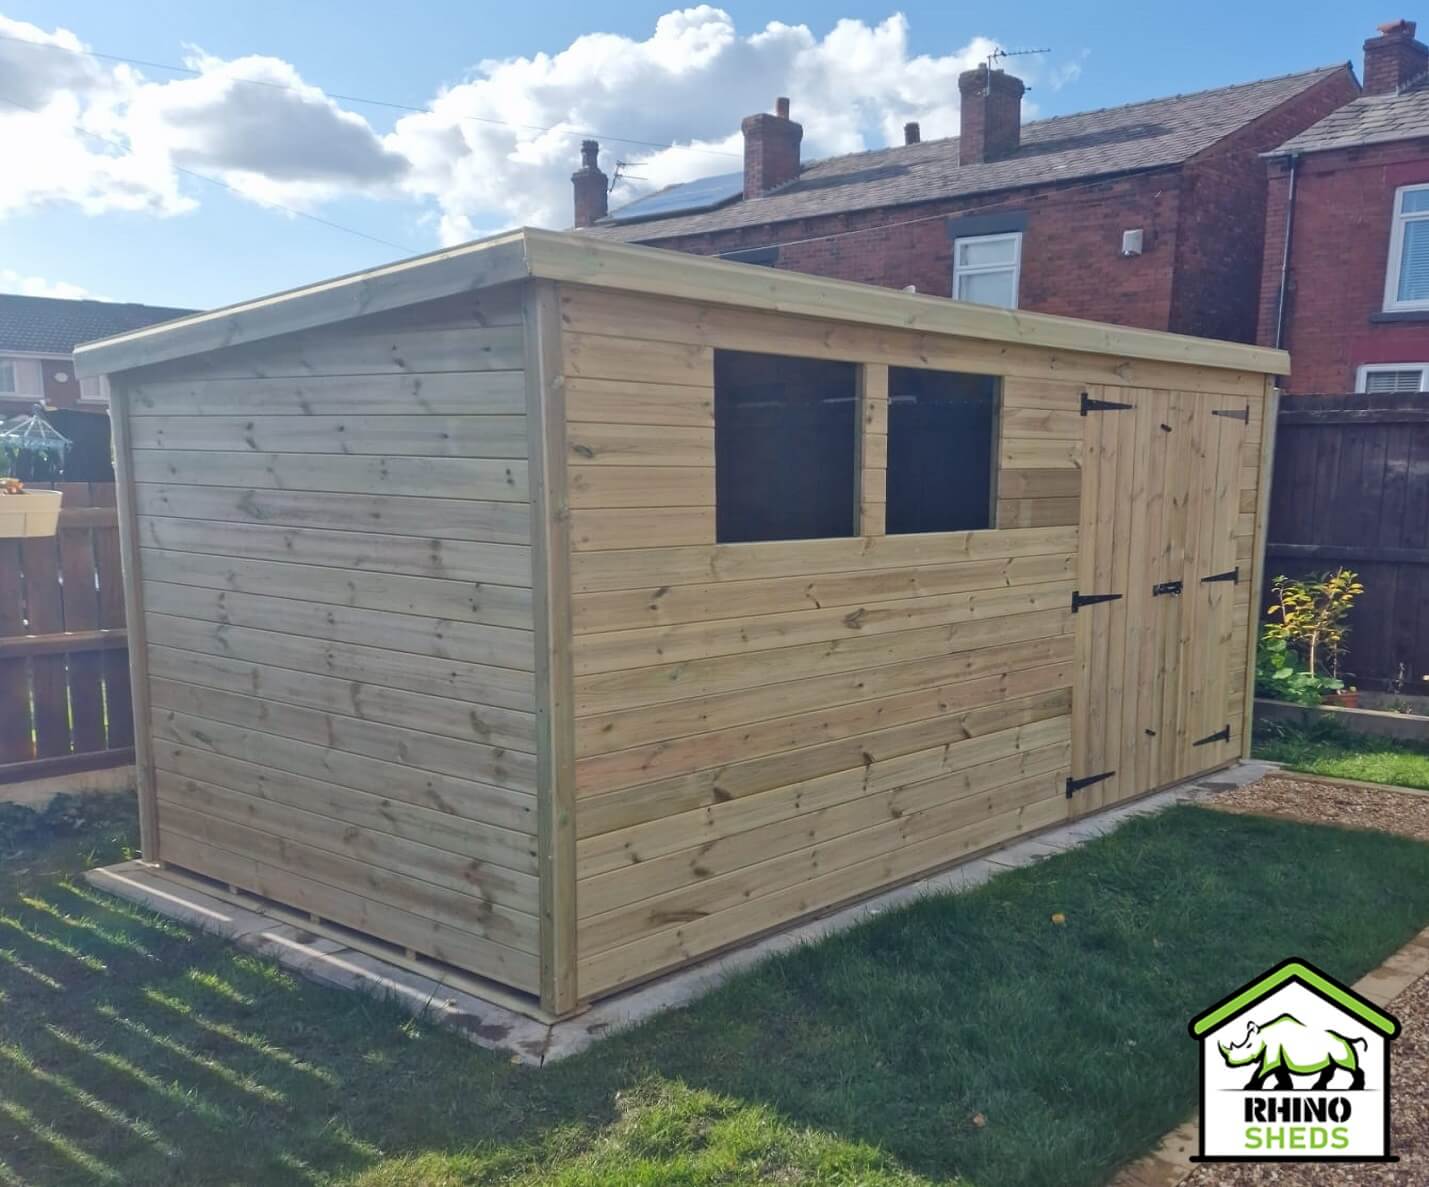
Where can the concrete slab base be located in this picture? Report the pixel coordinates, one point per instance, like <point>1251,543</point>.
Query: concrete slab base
<point>530,1041</point>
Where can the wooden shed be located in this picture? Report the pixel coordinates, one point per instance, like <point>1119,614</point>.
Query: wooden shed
<point>566,612</point>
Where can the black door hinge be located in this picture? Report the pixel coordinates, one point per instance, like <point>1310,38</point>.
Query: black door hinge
<point>1080,599</point>
<point>1090,405</point>
<point>1221,735</point>
<point>1167,587</point>
<point>1231,575</point>
<point>1076,785</point>
<point>1242,414</point>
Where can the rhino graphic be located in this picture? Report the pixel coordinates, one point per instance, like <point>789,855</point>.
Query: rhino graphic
<point>1287,1045</point>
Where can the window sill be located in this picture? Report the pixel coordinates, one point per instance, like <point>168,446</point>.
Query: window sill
<point>1391,316</point>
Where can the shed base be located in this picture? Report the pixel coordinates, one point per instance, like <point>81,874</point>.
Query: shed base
<point>500,1020</point>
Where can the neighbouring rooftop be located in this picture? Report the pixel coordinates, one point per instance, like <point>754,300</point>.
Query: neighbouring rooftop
<point>55,326</point>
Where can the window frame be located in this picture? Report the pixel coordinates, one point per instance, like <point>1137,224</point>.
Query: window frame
<point>14,388</point>
<point>1365,370</point>
<point>960,270</point>
<point>1398,220</point>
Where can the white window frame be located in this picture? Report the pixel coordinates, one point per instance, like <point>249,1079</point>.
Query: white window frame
<point>1363,373</point>
<point>29,375</point>
<point>1396,251</point>
<point>1015,237</point>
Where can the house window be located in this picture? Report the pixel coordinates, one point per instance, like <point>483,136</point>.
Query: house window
<point>942,432</point>
<point>986,269</point>
<point>21,377</point>
<point>7,377</point>
<point>1406,284</point>
<point>784,447</point>
<point>1394,377</point>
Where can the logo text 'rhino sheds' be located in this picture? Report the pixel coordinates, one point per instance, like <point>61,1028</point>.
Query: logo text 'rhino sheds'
<point>1294,1067</point>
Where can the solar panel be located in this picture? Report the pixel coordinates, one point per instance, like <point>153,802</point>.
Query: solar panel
<point>703,194</point>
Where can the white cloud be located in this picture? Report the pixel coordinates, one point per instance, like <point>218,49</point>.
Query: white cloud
<point>37,286</point>
<point>491,151</point>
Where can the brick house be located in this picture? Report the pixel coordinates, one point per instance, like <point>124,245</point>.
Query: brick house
<point>1151,214</point>
<point>1350,195</point>
<point>37,340</point>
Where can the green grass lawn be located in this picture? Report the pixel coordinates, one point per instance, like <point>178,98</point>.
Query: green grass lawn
<point>1325,750</point>
<point>133,1051</point>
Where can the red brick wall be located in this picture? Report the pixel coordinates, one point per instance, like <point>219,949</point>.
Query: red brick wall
<point>1218,259</point>
<point>1339,251</point>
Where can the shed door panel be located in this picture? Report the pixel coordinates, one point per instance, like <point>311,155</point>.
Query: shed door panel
<point>1159,506</point>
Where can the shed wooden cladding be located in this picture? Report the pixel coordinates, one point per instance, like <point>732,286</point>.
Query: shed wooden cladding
<point>438,640</point>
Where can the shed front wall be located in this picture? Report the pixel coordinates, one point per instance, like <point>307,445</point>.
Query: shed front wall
<point>765,730</point>
<point>333,561</point>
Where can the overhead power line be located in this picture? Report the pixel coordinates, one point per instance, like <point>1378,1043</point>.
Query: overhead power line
<point>390,104</point>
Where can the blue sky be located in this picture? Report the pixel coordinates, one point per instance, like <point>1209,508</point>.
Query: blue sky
<point>442,179</point>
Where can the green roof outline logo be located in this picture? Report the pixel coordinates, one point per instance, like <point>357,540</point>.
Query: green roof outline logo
<point>1317,980</point>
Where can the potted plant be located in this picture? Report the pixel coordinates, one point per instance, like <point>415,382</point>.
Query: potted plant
<point>1310,622</point>
<point>30,451</point>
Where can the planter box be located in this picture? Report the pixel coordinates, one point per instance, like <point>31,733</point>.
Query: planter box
<point>34,513</point>
<point>1404,727</point>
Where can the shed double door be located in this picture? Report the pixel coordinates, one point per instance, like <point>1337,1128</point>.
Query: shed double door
<point>1155,587</point>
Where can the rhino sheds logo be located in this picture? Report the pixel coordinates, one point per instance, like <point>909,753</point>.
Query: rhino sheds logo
<point>1294,1067</point>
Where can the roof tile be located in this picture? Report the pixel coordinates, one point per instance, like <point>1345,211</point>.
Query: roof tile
<point>52,325</point>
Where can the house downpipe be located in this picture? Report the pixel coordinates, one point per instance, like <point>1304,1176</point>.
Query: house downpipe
<point>1294,159</point>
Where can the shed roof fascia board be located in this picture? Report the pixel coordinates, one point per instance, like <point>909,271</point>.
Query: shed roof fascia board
<point>564,256</point>
<point>581,259</point>
<point>477,265</point>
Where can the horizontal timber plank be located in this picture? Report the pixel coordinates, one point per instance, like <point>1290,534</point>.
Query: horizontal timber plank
<point>467,799</point>
<point>1039,484</point>
<point>440,393</point>
<point>1033,453</point>
<point>671,757</point>
<point>478,684</point>
<point>440,638</point>
<point>629,962</point>
<point>1019,392</point>
<point>640,486</point>
<point>852,833</point>
<point>622,356</point>
<point>665,605</point>
<point>500,766</point>
<point>370,552</point>
<point>645,647</point>
<point>592,444</point>
<point>462,601</point>
<point>492,902</point>
<point>496,479</point>
<point>606,732</point>
<point>66,764</point>
<point>1054,424</point>
<point>685,792</point>
<point>613,691</point>
<point>397,515</point>
<point>63,643</point>
<point>423,436</point>
<point>451,718</point>
<point>654,567</point>
<point>622,401</point>
<point>422,935</point>
<point>1037,513</point>
<point>509,853</point>
<point>633,527</point>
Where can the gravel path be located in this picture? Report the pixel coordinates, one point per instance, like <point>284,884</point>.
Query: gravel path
<point>1354,807</point>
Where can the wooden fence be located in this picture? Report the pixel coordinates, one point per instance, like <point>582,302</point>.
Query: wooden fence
<point>1351,488</point>
<point>64,667</point>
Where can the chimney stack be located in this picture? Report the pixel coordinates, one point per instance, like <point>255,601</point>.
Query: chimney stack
<point>591,187</point>
<point>911,133</point>
<point>991,115</point>
<point>1393,58</point>
<point>771,150</point>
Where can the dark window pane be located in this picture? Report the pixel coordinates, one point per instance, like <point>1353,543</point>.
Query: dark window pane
<point>942,427</point>
<point>784,447</point>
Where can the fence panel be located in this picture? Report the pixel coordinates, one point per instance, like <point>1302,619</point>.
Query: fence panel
<point>64,670</point>
<point>1351,488</point>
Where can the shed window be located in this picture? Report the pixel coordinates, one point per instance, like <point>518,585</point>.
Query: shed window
<point>784,447</point>
<point>986,269</point>
<point>1406,284</point>
<point>1395,377</point>
<point>942,430</point>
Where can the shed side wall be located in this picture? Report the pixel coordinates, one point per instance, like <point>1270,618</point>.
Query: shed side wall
<point>334,532</point>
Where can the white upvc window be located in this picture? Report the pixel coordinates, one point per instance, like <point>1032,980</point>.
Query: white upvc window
<point>1406,280</point>
<point>986,269</point>
<point>1393,377</point>
<point>21,376</point>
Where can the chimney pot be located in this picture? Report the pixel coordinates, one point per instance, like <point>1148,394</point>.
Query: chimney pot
<point>990,115</point>
<point>1394,58</point>
<point>911,132</point>
<point>590,187</point>
<point>771,149</point>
